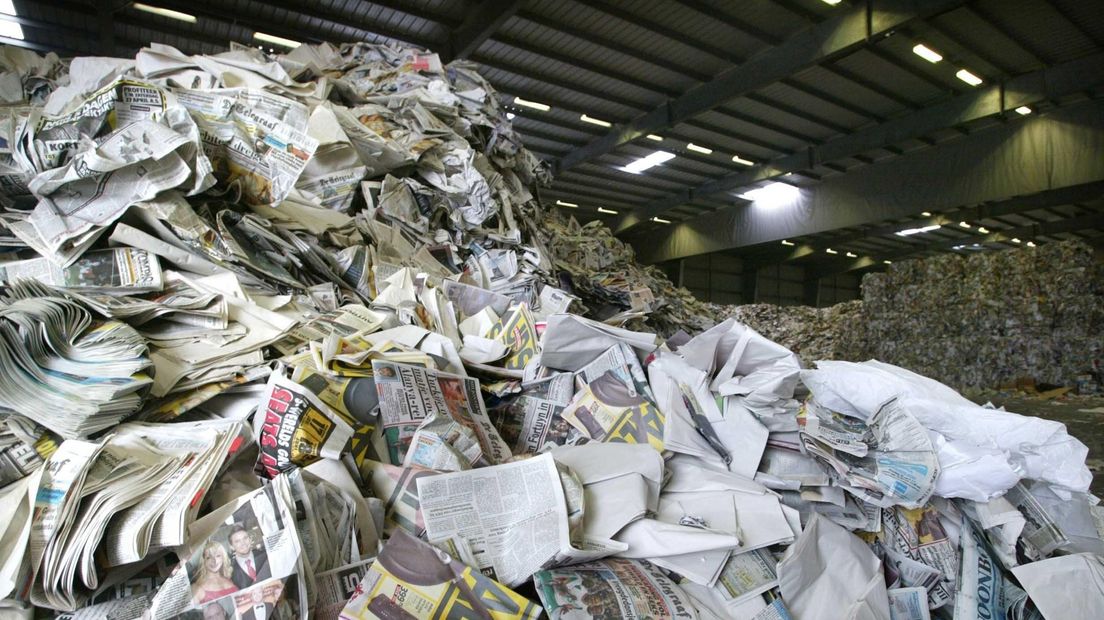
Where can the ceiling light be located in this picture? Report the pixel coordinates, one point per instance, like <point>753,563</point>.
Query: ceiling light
<point>832,2</point>
<point>567,204</point>
<point>926,213</point>
<point>532,104</point>
<point>983,230</point>
<point>594,121</point>
<point>852,255</point>
<point>660,220</point>
<point>831,251</point>
<point>1015,240</point>
<point>699,149</point>
<point>741,160</point>
<point>271,38</point>
<point>926,53</point>
<point>888,262</point>
<point>915,231</point>
<point>772,194</point>
<point>510,115</point>
<point>184,17</point>
<point>784,242</point>
<point>605,210</point>
<point>652,136</point>
<point>7,8</point>
<point>968,77</point>
<point>642,164</point>
<point>1023,110</point>
<point>1030,244</point>
<point>964,224</point>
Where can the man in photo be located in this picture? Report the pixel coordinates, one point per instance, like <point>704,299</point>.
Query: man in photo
<point>258,609</point>
<point>250,565</point>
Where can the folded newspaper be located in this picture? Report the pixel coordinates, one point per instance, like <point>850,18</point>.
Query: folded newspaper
<point>291,336</point>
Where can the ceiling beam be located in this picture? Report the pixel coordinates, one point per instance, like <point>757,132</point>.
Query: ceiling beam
<point>481,22</point>
<point>1057,81</point>
<point>818,43</point>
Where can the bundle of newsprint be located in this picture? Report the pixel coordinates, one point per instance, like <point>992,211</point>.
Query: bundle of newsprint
<point>277,342</point>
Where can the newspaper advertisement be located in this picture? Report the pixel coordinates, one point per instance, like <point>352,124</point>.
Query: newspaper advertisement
<point>250,562</point>
<point>413,579</point>
<point>410,394</point>
<point>293,427</point>
<point>609,409</point>
<point>335,587</point>
<point>919,535</point>
<point>612,588</point>
<point>255,137</point>
<point>747,574</point>
<point>124,270</point>
<point>512,515</point>
<point>516,331</point>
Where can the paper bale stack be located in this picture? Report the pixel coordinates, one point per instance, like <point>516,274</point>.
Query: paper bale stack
<point>330,374</point>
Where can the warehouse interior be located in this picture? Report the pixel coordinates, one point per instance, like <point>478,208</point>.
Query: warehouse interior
<point>511,309</point>
<point>745,95</point>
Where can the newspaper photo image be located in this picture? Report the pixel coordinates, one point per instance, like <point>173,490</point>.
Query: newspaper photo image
<point>616,588</point>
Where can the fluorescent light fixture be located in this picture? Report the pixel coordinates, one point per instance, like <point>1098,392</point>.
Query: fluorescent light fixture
<point>741,160</point>
<point>926,213</point>
<point>888,262</point>
<point>832,2</point>
<point>605,210</point>
<point>11,30</point>
<point>852,255</point>
<point>831,251</point>
<point>594,121</point>
<point>1015,240</point>
<point>699,149</point>
<point>532,104</point>
<point>1030,244</point>
<point>654,137</point>
<point>567,204</point>
<point>642,164</point>
<point>983,230</point>
<point>7,8</point>
<point>184,17</point>
<point>915,231</point>
<point>784,242</point>
<point>1023,110</point>
<point>964,224</point>
<point>927,53</point>
<point>660,220</point>
<point>968,77</point>
<point>772,194</point>
<point>271,38</point>
<point>510,115</point>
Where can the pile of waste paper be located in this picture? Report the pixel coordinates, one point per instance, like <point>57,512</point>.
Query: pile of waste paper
<point>279,340</point>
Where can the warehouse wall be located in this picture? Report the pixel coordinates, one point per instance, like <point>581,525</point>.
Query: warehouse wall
<point>724,279</point>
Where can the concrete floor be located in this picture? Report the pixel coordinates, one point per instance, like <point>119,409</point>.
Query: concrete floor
<point>1083,416</point>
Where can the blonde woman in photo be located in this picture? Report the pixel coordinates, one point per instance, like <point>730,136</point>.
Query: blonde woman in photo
<point>213,578</point>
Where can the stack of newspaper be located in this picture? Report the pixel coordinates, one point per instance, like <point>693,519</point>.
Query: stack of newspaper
<point>282,338</point>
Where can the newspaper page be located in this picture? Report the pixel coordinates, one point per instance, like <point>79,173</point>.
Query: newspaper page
<point>517,332</point>
<point>413,579</point>
<point>334,588</point>
<point>746,575</point>
<point>612,588</point>
<point>410,394</point>
<point>254,136</point>
<point>514,516</point>
<point>609,409</point>
<point>294,428</point>
<point>908,604</point>
<point>247,557</point>
<point>919,535</point>
<point>122,270</point>
<point>1041,535</point>
<point>981,583</point>
<point>397,487</point>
